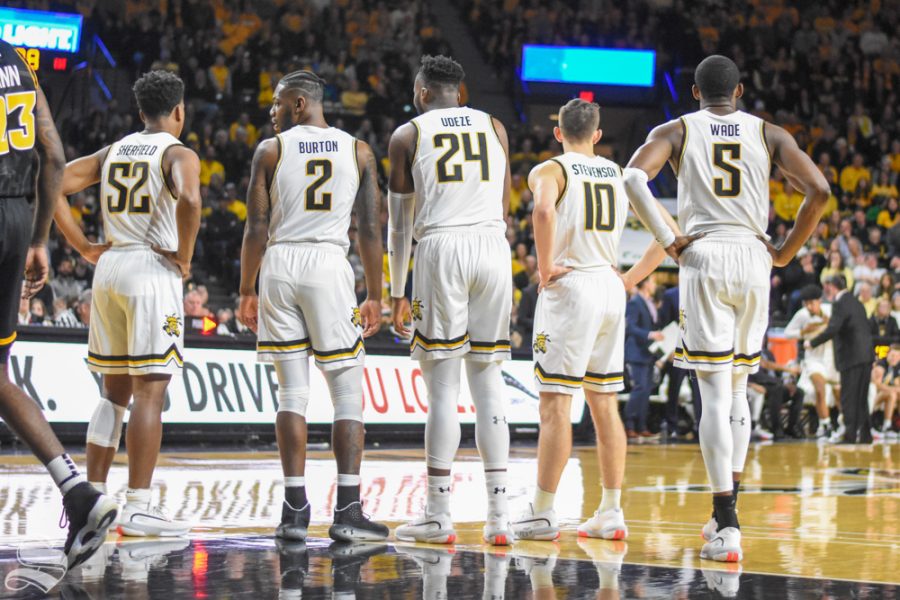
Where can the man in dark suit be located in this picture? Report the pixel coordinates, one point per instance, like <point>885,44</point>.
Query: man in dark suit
<point>669,312</point>
<point>853,357</point>
<point>640,322</point>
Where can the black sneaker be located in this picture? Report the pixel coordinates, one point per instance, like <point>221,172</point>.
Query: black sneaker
<point>293,559</point>
<point>347,560</point>
<point>90,515</point>
<point>294,523</point>
<point>351,525</point>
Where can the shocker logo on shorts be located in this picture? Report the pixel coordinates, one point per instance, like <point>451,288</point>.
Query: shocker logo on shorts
<point>356,317</point>
<point>540,342</point>
<point>681,319</point>
<point>172,325</point>
<point>416,309</point>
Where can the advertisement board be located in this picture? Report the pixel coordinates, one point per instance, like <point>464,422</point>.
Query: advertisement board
<point>57,32</point>
<point>228,386</point>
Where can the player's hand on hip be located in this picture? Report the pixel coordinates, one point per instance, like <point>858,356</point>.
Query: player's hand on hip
<point>400,315</point>
<point>248,312</point>
<point>94,251</point>
<point>681,243</point>
<point>779,258</point>
<point>183,266</point>
<point>37,266</point>
<point>370,313</point>
<point>556,272</point>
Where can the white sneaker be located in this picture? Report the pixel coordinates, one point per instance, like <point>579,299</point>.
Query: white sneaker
<point>542,526</point>
<point>137,558</point>
<point>761,434</point>
<point>877,435</point>
<point>607,525</point>
<point>710,530</point>
<point>142,521</point>
<point>724,547</point>
<point>890,434</point>
<point>498,532</point>
<point>429,529</point>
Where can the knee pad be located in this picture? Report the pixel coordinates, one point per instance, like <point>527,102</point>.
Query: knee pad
<point>293,399</point>
<point>105,428</point>
<point>345,386</point>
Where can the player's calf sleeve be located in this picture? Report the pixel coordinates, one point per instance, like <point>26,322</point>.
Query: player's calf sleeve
<point>716,441</point>
<point>345,386</point>
<point>293,385</point>
<point>105,428</point>
<point>442,433</point>
<point>740,422</point>
<point>491,429</point>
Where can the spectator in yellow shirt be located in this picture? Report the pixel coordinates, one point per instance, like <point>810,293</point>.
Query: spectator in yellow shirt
<point>252,132</point>
<point>220,77</point>
<point>890,215</point>
<point>209,166</point>
<point>827,169</point>
<point>852,173</point>
<point>787,203</point>
<point>353,99</point>
<point>884,190</point>
<point>235,205</point>
<point>895,156</point>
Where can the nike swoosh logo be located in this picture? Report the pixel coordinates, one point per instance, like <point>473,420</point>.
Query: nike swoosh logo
<point>146,517</point>
<point>547,521</point>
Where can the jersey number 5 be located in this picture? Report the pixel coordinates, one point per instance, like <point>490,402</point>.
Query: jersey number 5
<point>451,141</point>
<point>599,207</point>
<point>20,138</point>
<point>730,169</point>
<point>324,202</point>
<point>128,196</point>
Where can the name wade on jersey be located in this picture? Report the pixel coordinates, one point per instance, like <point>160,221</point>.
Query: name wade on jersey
<point>137,150</point>
<point>317,147</point>
<point>725,129</point>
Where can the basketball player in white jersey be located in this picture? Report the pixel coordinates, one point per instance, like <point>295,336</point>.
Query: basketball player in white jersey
<point>304,185</point>
<point>580,209</point>
<point>818,362</point>
<point>723,157</point>
<point>449,187</point>
<point>150,198</point>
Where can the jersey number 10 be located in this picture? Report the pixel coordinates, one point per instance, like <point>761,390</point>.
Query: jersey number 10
<point>599,207</point>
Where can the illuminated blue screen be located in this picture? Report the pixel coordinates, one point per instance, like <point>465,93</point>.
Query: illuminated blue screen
<point>597,66</point>
<point>59,32</point>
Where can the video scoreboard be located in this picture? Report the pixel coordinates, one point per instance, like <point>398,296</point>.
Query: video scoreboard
<point>48,41</point>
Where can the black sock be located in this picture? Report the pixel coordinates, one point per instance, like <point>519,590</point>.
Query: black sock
<point>726,516</point>
<point>736,487</point>
<point>296,496</point>
<point>347,494</point>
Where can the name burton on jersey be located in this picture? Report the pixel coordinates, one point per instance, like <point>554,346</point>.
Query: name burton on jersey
<point>137,150</point>
<point>597,172</point>
<point>725,129</point>
<point>316,147</point>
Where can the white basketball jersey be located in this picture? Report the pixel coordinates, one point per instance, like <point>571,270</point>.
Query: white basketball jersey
<point>591,213</point>
<point>458,170</point>
<point>723,174</point>
<point>138,208</point>
<point>314,186</point>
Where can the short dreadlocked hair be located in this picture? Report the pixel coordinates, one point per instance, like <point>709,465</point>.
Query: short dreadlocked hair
<point>441,71</point>
<point>310,85</point>
<point>158,93</point>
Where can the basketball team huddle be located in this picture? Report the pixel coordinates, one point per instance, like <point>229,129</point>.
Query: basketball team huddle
<point>449,187</point>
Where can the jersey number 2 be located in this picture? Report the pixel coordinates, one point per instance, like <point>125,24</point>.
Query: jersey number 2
<point>730,169</point>
<point>322,203</point>
<point>599,207</point>
<point>128,196</point>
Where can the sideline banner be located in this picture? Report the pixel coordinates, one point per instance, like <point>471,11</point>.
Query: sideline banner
<point>228,386</point>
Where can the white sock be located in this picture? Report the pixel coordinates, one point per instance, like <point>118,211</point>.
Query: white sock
<point>138,497</point>
<point>64,473</point>
<point>295,481</point>
<point>100,486</point>
<point>438,494</point>
<point>543,500</point>
<point>496,492</point>
<point>611,500</point>
<point>344,479</point>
